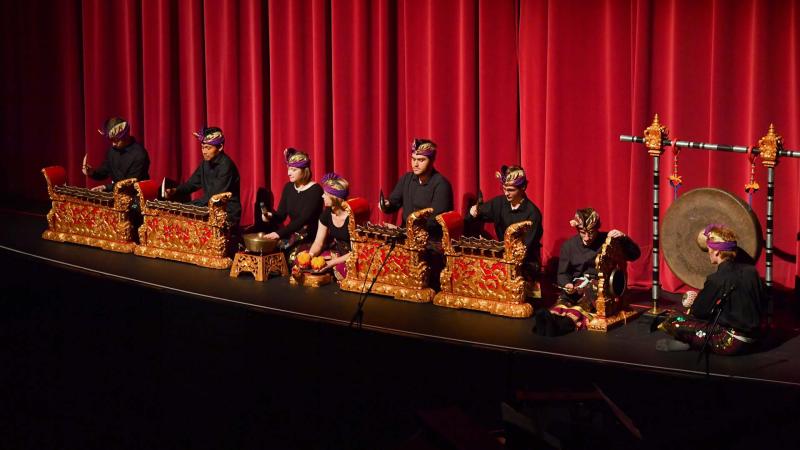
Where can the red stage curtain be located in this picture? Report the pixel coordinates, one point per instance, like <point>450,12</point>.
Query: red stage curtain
<point>548,84</point>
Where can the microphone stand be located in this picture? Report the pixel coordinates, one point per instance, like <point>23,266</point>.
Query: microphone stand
<point>358,317</point>
<point>717,311</point>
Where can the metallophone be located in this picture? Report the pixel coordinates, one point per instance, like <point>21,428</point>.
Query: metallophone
<point>194,234</point>
<point>484,274</point>
<point>94,218</point>
<point>405,274</point>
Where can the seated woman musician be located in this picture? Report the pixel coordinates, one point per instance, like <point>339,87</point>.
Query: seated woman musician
<point>734,293</point>
<point>333,222</point>
<point>301,202</point>
<point>510,208</point>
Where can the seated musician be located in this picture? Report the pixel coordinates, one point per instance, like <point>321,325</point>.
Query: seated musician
<point>125,159</point>
<point>333,222</point>
<point>215,175</point>
<point>512,207</point>
<point>735,289</point>
<point>577,274</point>
<point>301,202</point>
<point>423,187</point>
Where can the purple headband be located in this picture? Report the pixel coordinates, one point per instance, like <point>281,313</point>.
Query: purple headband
<point>722,246</point>
<point>215,138</point>
<point>429,150</point>
<point>301,160</point>
<point>340,193</point>
<point>117,132</point>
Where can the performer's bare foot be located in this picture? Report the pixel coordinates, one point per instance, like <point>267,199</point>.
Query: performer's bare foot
<point>671,345</point>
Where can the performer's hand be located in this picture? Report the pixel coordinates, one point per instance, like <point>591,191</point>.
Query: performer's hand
<point>100,188</point>
<point>688,299</point>
<point>169,192</point>
<point>569,288</point>
<point>473,211</point>
<point>274,236</point>
<point>615,233</point>
<point>87,169</point>
<point>390,225</point>
<point>266,216</point>
<point>383,205</point>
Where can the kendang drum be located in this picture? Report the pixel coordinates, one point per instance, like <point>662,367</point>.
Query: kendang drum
<point>87,217</point>
<point>194,234</point>
<point>401,254</point>
<point>686,219</point>
<point>484,274</point>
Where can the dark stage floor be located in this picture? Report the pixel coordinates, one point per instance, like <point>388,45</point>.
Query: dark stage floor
<point>113,350</point>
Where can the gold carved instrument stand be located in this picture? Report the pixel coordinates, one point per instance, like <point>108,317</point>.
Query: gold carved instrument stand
<point>483,274</point>
<point>192,234</point>
<point>405,274</point>
<point>610,308</point>
<point>83,216</point>
<point>261,266</point>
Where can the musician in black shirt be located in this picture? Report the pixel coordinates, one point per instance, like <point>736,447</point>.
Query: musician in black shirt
<point>423,187</point>
<point>333,223</point>
<point>734,291</point>
<point>216,174</point>
<point>577,275</point>
<point>125,159</point>
<point>576,262</point>
<point>513,207</point>
<point>301,202</point>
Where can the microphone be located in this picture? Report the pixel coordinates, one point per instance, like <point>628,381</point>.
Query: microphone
<point>381,201</point>
<point>725,295</point>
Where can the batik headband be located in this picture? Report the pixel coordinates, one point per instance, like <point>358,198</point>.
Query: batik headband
<point>327,186</point>
<point>513,176</point>
<point>422,147</point>
<point>587,218</point>
<point>115,129</point>
<point>215,138</point>
<point>295,158</point>
<point>722,246</point>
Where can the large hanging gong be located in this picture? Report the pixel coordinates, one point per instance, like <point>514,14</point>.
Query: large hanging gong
<point>686,219</point>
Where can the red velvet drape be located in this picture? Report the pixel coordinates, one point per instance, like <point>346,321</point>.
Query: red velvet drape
<point>548,84</point>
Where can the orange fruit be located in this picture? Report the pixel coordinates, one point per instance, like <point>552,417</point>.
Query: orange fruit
<point>318,263</point>
<point>303,259</point>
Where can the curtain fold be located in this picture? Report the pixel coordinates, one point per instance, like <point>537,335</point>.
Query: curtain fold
<point>546,84</point>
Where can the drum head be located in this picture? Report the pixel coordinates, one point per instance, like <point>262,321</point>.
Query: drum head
<point>617,282</point>
<point>689,215</point>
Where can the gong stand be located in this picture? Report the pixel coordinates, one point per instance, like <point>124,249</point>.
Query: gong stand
<point>770,147</point>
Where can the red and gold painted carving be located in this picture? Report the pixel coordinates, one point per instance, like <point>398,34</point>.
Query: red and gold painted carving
<point>405,274</point>
<point>82,216</point>
<point>168,232</point>
<point>483,275</point>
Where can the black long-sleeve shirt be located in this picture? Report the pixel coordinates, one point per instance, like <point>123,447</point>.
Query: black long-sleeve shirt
<point>743,308</point>
<point>577,259</point>
<point>498,210</point>
<point>214,177</point>
<point>411,195</point>
<point>120,164</point>
<point>302,208</point>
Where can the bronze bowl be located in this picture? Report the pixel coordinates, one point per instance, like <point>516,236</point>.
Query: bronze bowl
<point>258,243</point>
